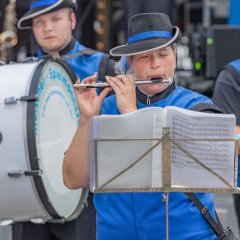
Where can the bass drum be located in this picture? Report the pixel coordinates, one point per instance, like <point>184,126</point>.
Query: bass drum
<point>39,116</point>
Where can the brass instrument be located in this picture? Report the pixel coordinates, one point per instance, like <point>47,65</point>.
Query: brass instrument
<point>8,38</point>
<point>100,24</point>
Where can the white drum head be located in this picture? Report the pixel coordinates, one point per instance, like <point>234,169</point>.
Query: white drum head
<point>56,119</point>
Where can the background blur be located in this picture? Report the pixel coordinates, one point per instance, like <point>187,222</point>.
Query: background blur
<point>211,37</point>
<point>210,32</point>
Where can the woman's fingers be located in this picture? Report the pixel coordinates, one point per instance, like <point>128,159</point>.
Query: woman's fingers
<point>90,79</point>
<point>120,82</point>
<point>78,81</point>
<point>104,93</point>
<point>125,92</point>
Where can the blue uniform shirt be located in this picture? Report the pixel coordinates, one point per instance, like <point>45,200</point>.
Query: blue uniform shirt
<point>141,216</point>
<point>82,65</point>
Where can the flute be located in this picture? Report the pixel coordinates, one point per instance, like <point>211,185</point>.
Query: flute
<point>105,84</point>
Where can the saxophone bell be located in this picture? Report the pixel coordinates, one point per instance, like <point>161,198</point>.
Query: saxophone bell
<point>9,39</point>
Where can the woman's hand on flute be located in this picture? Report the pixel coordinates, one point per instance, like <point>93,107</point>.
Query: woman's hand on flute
<point>89,102</point>
<point>125,91</point>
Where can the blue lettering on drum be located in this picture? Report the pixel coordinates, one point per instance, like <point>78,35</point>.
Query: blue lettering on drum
<point>47,79</point>
<point>41,87</point>
<point>53,75</point>
<point>59,94</point>
<point>40,90</point>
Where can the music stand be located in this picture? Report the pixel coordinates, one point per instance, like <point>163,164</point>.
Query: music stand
<point>166,141</point>
<point>163,150</point>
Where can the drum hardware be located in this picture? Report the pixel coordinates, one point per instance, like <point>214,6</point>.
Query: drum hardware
<point>6,222</point>
<point>13,100</point>
<point>29,60</point>
<point>33,173</point>
<point>16,173</point>
<point>38,220</point>
<point>57,220</point>
<point>43,221</point>
<point>19,173</point>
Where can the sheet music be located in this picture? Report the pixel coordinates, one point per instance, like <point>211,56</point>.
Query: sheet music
<point>218,156</point>
<point>127,132</point>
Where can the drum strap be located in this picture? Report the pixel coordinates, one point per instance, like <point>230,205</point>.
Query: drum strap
<point>85,51</point>
<point>215,225</point>
<point>106,66</point>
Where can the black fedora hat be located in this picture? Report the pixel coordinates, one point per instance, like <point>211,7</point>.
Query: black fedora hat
<point>39,7</point>
<point>146,32</point>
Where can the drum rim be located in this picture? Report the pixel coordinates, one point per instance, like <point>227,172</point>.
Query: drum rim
<point>80,207</point>
<point>31,142</point>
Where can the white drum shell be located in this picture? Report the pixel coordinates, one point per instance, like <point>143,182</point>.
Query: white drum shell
<point>19,199</point>
<point>14,82</point>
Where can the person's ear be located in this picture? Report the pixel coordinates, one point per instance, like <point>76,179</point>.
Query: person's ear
<point>73,20</point>
<point>174,48</point>
<point>129,60</point>
<point>129,63</point>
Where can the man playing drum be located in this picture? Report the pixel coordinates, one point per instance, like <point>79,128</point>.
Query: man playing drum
<point>52,23</point>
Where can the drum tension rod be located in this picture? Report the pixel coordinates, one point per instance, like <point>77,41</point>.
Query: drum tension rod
<point>33,173</point>
<point>19,173</point>
<point>13,100</point>
<point>1,138</point>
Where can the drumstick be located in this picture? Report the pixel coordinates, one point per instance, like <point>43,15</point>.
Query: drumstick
<point>105,84</point>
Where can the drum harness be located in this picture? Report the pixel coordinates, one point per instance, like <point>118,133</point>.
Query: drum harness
<point>85,52</point>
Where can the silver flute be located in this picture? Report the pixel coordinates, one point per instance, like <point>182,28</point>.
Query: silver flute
<point>105,84</point>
